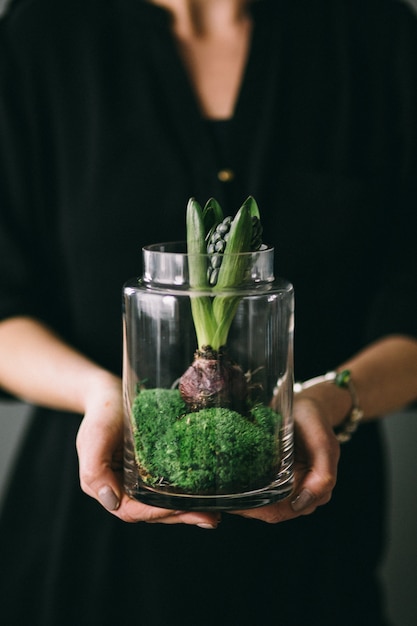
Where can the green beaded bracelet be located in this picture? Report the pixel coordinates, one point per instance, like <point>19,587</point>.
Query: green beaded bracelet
<point>342,379</point>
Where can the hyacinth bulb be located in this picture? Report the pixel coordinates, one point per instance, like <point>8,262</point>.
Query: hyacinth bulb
<point>214,380</point>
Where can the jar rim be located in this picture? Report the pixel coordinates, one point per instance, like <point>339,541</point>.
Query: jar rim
<point>168,264</point>
<point>180,248</point>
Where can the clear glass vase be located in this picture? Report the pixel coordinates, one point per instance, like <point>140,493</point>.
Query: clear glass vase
<point>207,429</point>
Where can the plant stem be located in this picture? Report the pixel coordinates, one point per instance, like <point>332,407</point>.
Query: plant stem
<point>213,316</point>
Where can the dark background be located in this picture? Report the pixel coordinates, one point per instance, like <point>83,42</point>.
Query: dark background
<point>399,569</point>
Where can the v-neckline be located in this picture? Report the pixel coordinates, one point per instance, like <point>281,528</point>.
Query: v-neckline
<point>251,70</point>
<point>195,144</point>
<point>193,91</point>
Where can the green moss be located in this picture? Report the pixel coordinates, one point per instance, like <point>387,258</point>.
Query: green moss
<point>154,411</point>
<point>214,450</point>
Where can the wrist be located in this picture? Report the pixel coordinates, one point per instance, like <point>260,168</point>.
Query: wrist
<point>328,389</point>
<point>334,403</point>
<point>101,386</point>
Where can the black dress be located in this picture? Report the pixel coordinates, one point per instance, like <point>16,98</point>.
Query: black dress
<point>102,144</point>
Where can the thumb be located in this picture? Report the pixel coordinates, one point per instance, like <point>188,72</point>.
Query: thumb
<point>99,447</point>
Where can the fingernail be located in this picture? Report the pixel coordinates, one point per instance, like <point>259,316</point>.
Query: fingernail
<point>108,498</point>
<point>304,499</point>
<point>207,526</point>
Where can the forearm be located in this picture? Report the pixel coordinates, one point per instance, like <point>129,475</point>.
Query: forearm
<point>38,367</point>
<point>385,379</point>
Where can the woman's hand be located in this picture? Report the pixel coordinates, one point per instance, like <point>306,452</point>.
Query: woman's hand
<point>385,375</point>
<point>317,454</point>
<point>100,452</point>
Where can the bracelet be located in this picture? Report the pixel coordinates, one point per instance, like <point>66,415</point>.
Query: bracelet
<point>343,380</point>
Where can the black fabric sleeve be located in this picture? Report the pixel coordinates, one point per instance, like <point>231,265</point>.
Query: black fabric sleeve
<point>16,260</point>
<point>394,307</point>
<point>23,226</point>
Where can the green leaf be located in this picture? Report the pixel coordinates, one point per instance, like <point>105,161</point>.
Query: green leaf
<point>196,245</point>
<point>224,310</point>
<point>213,316</point>
<point>251,203</point>
<point>204,322</point>
<point>212,215</point>
<point>201,306</point>
<point>234,266</point>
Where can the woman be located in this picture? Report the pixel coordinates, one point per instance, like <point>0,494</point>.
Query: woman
<point>113,115</point>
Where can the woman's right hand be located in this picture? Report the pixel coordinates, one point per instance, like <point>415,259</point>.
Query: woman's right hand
<point>100,453</point>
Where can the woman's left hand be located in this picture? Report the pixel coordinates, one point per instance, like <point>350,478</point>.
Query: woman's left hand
<point>317,454</point>
<point>385,380</point>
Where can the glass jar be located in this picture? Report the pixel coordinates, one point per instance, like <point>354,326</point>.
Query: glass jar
<point>207,429</point>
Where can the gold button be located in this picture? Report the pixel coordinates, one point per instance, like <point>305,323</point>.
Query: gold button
<point>225,176</point>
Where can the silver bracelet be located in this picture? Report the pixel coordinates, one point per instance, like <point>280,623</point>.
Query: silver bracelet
<point>343,380</point>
